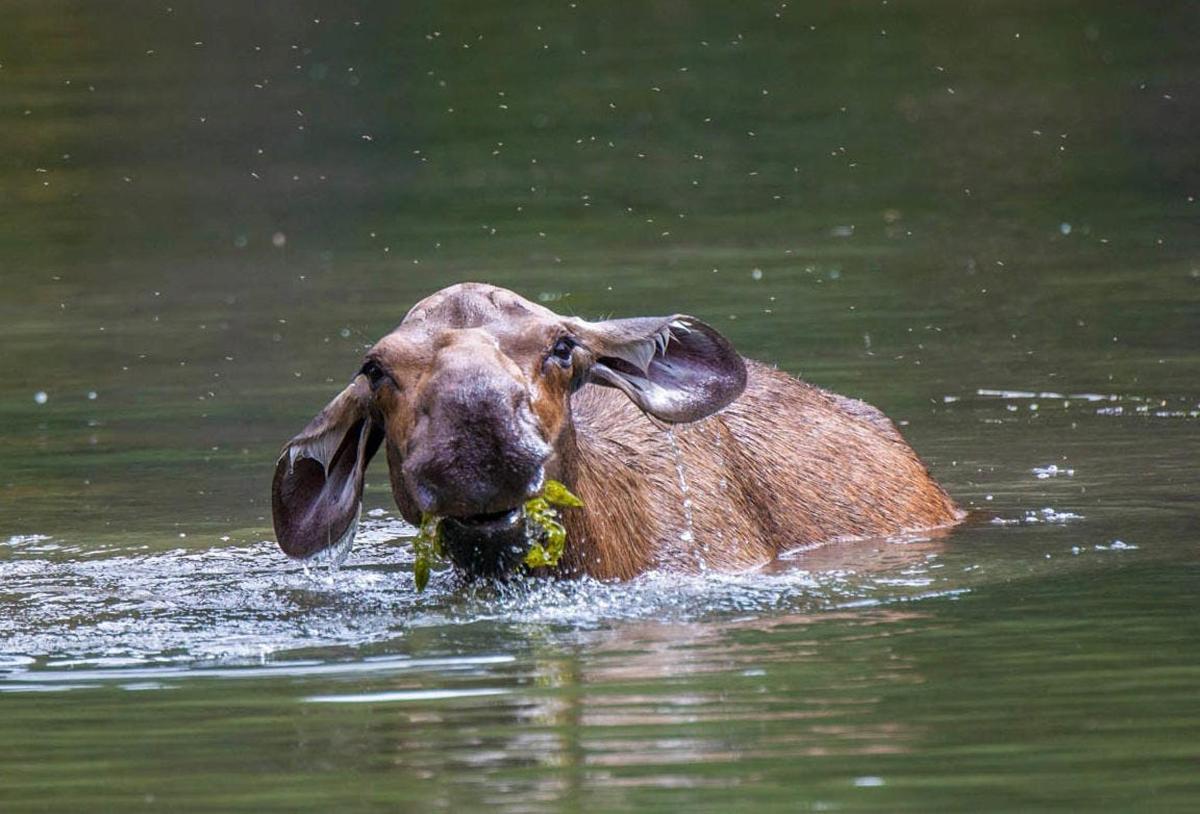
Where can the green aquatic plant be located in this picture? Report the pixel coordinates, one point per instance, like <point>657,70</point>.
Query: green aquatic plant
<point>540,515</point>
<point>548,536</point>
<point>427,546</point>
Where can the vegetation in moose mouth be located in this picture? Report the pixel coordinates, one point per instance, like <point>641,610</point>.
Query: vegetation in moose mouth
<point>546,535</point>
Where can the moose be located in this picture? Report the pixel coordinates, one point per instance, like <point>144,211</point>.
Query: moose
<point>685,455</point>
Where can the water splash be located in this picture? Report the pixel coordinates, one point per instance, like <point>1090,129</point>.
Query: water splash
<point>1052,471</point>
<point>688,535</point>
<point>1032,517</point>
<point>197,609</point>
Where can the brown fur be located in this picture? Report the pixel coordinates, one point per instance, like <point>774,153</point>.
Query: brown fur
<point>786,465</point>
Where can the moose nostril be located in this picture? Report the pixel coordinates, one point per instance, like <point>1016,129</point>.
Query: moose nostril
<point>426,498</point>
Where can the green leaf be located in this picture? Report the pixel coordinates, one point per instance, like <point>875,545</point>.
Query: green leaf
<point>559,495</point>
<point>541,516</point>
<point>427,547</point>
<point>421,573</point>
<point>538,557</point>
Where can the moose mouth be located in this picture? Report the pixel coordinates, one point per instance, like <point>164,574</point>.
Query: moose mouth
<point>489,521</point>
<point>491,544</point>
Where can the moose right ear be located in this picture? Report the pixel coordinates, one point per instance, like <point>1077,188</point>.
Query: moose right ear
<point>316,495</point>
<point>675,368</point>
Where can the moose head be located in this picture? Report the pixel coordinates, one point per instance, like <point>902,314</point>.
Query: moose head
<point>470,396</point>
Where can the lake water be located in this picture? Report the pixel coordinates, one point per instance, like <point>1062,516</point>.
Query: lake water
<point>981,218</point>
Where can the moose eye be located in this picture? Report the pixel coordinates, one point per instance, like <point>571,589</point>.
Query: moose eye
<point>374,373</point>
<point>562,350</point>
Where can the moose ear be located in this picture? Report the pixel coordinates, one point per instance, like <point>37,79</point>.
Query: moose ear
<point>677,369</point>
<point>316,496</point>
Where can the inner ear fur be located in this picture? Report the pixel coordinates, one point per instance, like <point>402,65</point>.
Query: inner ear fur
<point>677,368</point>
<point>316,494</point>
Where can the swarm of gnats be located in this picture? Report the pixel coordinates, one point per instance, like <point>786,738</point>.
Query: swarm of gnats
<point>548,536</point>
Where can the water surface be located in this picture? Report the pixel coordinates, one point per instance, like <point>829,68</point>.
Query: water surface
<point>982,219</point>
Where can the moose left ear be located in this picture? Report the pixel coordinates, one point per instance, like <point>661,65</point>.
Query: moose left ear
<point>677,368</point>
<point>317,492</point>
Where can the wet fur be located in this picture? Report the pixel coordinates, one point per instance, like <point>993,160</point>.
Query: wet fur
<point>786,465</point>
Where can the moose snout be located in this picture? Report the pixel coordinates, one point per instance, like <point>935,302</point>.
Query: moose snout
<point>476,448</point>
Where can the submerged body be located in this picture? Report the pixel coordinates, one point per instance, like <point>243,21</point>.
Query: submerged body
<point>686,456</point>
<point>785,465</point>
